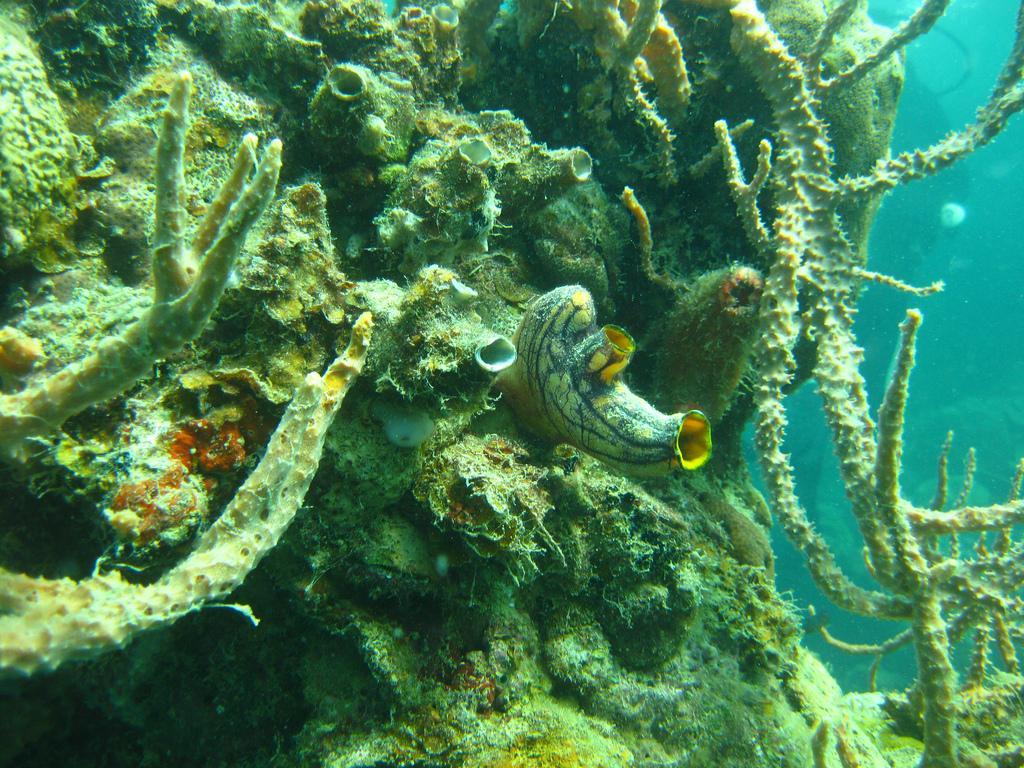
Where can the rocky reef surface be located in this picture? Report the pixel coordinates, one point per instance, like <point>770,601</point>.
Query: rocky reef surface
<point>459,587</point>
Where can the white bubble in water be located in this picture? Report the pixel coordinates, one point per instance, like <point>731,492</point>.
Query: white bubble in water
<point>952,215</point>
<point>403,425</point>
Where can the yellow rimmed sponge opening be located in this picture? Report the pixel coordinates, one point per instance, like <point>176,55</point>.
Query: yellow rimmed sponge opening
<point>619,348</point>
<point>693,441</point>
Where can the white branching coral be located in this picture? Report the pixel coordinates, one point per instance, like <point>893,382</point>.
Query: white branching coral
<point>46,622</point>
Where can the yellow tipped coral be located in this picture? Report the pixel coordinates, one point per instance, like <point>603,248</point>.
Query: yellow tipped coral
<point>566,385</point>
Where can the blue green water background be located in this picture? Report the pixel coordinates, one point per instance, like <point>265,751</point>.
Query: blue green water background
<point>970,365</point>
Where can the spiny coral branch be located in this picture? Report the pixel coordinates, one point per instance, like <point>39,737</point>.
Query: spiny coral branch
<point>641,27</point>
<point>892,282</point>
<point>991,518</point>
<point>942,595</point>
<point>923,19</point>
<point>745,193</point>
<point>826,36</point>
<point>1007,99</point>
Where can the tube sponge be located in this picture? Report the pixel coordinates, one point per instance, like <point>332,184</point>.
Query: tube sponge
<point>355,108</point>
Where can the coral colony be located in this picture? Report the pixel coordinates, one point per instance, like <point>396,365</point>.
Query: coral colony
<point>493,555</point>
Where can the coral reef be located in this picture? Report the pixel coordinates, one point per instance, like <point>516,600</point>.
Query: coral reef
<point>484,560</point>
<point>49,621</point>
<point>938,593</point>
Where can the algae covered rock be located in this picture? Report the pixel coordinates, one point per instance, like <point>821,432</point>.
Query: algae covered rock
<point>427,337</point>
<point>359,30</point>
<point>486,490</point>
<point>38,156</point>
<point>96,46</point>
<point>476,175</point>
<point>579,238</point>
<point>442,207</point>
<point>420,45</point>
<point>293,269</point>
<point>256,43</point>
<point>357,109</point>
<point>289,303</point>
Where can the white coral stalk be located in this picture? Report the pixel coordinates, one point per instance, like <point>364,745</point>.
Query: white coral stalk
<point>46,622</point>
<point>187,284</point>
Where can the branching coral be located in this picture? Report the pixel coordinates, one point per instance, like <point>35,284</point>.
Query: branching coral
<point>49,621</point>
<point>45,622</point>
<point>188,282</point>
<point>941,594</point>
<point>635,38</point>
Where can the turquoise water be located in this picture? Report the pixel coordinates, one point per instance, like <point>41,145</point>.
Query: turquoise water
<point>970,352</point>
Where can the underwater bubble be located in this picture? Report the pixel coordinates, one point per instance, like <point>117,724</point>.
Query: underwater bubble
<point>496,355</point>
<point>952,215</point>
<point>403,425</point>
<point>441,565</point>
